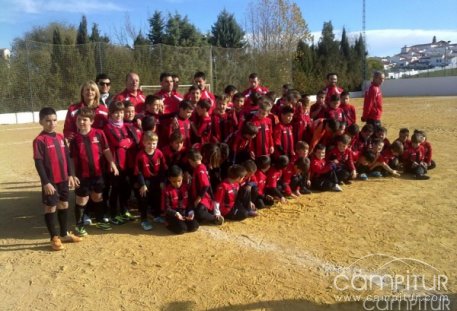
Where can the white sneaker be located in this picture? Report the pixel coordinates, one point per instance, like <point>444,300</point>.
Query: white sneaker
<point>337,188</point>
<point>87,221</point>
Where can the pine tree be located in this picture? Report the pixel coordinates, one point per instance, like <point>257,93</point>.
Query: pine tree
<point>226,32</point>
<point>56,56</point>
<point>345,49</point>
<point>156,28</point>
<point>82,38</point>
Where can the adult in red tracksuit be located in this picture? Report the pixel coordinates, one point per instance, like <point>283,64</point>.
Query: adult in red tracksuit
<point>255,87</point>
<point>372,104</point>
<point>132,92</point>
<point>331,88</point>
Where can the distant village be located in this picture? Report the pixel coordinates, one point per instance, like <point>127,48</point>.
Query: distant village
<point>418,58</point>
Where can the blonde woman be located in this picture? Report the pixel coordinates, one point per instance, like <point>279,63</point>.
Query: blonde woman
<point>89,97</point>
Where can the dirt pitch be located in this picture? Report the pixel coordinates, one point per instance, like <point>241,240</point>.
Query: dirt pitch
<point>286,259</point>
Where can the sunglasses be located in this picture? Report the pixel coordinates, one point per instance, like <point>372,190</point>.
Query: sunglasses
<point>104,83</point>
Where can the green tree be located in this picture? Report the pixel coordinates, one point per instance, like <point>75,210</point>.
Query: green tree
<point>156,28</point>
<point>180,32</point>
<point>226,32</point>
<point>82,38</point>
<point>56,56</point>
<point>345,48</point>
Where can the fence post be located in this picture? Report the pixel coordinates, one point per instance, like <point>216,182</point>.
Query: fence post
<point>30,80</point>
<point>211,68</point>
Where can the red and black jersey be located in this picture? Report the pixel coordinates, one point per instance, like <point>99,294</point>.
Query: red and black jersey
<point>261,181</point>
<point>223,125</point>
<point>344,158</point>
<point>388,155</point>
<point>262,90</point>
<point>240,143</point>
<point>175,157</point>
<point>136,135</point>
<point>87,153</point>
<point>412,155</point>
<point>201,186</point>
<point>226,196</point>
<point>136,99</point>
<point>318,167</point>
<point>359,143</point>
<point>273,176</point>
<point>284,139</point>
<point>150,165</point>
<point>286,178</point>
<point>317,110</point>
<point>335,114</point>
<point>175,199</point>
<point>51,149</point>
<point>428,152</point>
<point>301,124</point>
<point>263,141</point>
<point>170,101</point>
<point>330,91</point>
<point>349,113</point>
<point>185,130</point>
<point>119,142</point>
<point>100,118</point>
<point>203,127</point>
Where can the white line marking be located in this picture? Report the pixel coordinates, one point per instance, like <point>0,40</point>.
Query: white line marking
<point>17,143</point>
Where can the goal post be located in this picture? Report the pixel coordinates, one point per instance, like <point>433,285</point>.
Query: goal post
<point>183,88</point>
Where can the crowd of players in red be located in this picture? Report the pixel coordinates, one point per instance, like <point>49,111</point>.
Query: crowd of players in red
<point>197,157</point>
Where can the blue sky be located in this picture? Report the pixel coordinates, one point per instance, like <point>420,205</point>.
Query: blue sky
<point>390,24</point>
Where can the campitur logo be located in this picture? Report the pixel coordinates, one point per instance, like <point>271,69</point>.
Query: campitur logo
<point>410,284</point>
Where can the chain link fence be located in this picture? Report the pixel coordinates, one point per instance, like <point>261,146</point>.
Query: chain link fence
<point>40,74</point>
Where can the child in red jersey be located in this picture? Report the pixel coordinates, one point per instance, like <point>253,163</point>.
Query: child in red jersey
<point>274,174</point>
<point>201,193</point>
<point>263,165</point>
<point>333,110</point>
<point>234,204</point>
<point>223,121</point>
<point>403,137</point>
<point>263,143</point>
<point>362,141</point>
<point>341,156</point>
<point>323,173</point>
<point>238,107</point>
<point>381,133</point>
<point>294,181</point>
<point>393,154</point>
<point>119,140</point>
<point>301,121</point>
<point>174,152</point>
<point>241,143</point>
<point>283,133</point>
<point>317,109</point>
<point>87,148</point>
<point>150,167</point>
<point>427,149</point>
<point>201,128</point>
<point>414,158</point>
<point>182,123</point>
<point>348,109</point>
<point>52,162</point>
<point>380,166</point>
<point>179,214</point>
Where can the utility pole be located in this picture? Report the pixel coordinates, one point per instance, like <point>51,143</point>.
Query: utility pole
<point>364,73</point>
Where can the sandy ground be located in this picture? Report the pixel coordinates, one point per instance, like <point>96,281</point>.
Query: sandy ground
<point>285,259</point>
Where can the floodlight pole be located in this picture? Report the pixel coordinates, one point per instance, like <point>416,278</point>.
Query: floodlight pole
<point>364,73</point>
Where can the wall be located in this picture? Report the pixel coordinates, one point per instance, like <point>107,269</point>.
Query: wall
<point>436,86</point>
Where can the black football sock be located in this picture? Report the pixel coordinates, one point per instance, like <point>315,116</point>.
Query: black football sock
<point>79,212</point>
<point>62,215</point>
<point>50,224</point>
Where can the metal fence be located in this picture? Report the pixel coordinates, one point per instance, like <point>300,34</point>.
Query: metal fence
<point>40,74</point>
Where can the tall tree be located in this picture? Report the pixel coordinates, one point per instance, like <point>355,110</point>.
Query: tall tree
<point>95,35</point>
<point>345,48</point>
<point>82,38</point>
<point>180,32</point>
<point>226,32</point>
<point>156,28</point>
<point>276,25</point>
<point>57,53</point>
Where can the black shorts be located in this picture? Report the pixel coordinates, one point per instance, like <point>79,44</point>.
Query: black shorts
<point>61,194</point>
<point>89,185</point>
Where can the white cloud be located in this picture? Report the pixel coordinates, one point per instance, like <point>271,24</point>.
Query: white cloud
<point>69,6</point>
<point>388,42</point>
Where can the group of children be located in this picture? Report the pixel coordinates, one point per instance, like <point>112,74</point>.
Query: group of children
<point>213,160</point>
